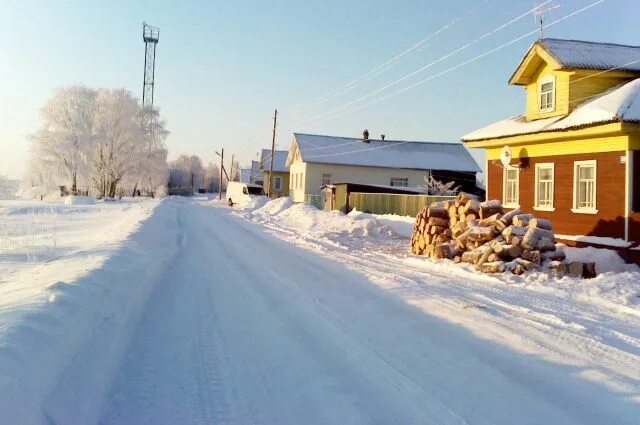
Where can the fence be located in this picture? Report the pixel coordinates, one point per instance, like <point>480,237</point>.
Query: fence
<point>391,203</point>
<point>313,200</point>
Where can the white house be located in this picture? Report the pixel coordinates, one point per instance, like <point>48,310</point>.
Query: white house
<point>316,160</point>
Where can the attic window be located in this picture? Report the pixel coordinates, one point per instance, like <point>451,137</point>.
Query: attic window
<point>547,93</point>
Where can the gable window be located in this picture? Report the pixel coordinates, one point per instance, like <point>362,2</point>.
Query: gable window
<point>326,179</point>
<point>511,187</point>
<point>277,185</point>
<point>548,93</point>
<point>584,187</point>
<point>399,181</point>
<point>544,187</point>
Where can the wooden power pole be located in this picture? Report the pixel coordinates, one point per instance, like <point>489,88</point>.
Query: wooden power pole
<point>273,150</point>
<point>221,169</point>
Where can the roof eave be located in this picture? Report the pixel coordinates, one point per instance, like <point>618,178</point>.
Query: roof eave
<point>537,50</point>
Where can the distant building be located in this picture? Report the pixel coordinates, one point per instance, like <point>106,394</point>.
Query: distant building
<point>315,161</point>
<point>256,175</point>
<point>280,179</point>
<point>245,175</point>
<point>575,152</point>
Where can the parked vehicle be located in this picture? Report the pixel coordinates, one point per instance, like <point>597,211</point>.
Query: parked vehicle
<point>240,193</point>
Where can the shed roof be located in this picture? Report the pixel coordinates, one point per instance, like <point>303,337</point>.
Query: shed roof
<point>279,161</point>
<point>620,104</point>
<point>385,154</point>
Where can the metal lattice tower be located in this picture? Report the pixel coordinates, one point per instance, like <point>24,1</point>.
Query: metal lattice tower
<point>150,35</point>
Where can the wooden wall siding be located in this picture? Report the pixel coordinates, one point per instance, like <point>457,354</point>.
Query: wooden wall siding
<point>583,85</point>
<point>562,93</point>
<point>610,197</point>
<point>634,217</point>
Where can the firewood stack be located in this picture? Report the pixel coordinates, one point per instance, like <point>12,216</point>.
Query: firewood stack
<point>481,233</point>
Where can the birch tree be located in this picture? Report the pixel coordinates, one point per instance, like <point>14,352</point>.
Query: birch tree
<point>64,141</point>
<point>119,139</point>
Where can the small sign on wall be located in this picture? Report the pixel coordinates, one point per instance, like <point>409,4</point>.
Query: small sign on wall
<point>623,159</point>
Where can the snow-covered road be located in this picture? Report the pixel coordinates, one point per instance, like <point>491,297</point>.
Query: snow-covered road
<point>244,327</point>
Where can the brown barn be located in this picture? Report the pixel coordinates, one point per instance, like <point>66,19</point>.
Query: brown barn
<point>575,153</point>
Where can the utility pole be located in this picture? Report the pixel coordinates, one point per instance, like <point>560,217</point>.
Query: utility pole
<point>221,168</point>
<point>273,149</point>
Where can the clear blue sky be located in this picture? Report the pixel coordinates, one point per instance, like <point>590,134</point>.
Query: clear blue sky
<point>223,66</point>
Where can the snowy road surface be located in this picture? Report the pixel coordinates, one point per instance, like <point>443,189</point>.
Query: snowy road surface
<point>243,327</point>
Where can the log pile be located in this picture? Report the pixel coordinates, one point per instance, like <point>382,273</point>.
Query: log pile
<point>466,230</point>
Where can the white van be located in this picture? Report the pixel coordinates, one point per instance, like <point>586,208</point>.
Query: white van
<point>240,193</point>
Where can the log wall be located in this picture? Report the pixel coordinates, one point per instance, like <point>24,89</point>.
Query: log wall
<point>610,196</point>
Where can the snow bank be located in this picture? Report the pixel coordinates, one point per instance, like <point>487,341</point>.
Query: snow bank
<point>256,202</point>
<point>402,225</point>
<point>333,227</point>
<point>79,200</point>
<point>65,322</point>
<point>607,260</point>
<point>275,207</point>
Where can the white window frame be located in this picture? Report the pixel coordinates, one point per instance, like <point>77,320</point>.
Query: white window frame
<point>396,179</point>
<point>322,182</point>
<point>515,204</point>
<point>536,205</point>
<point>277,183</point>
<point>588,210</point>
<point>545,80</point>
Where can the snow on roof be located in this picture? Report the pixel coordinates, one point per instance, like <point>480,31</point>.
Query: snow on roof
<point>592,55</point>
<point>387,154</point>
<point>621,103</point>
<point>279,161</point>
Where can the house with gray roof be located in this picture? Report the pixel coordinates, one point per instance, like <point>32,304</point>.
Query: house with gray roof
<point>317,160</point>
<point>280,179</point>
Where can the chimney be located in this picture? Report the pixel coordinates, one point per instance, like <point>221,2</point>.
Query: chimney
<point>365,136</point>
<point>382,137</point>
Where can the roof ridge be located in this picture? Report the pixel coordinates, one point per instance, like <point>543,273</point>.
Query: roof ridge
<point>588,42</point>
<point>379,140</point>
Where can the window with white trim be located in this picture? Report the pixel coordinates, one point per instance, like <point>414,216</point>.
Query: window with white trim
<point>547,93</point>
<point>511,186</point>
<point>326,179</point>
<point>399,181</point>
<point>277,185</point>
<point>544,186</point>
<point>584,186</point>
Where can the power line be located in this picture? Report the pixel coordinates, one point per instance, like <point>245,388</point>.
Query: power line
<point>480,56</point>
<point>560,90</point>
<point>384,66</point>
<point>425,67</point>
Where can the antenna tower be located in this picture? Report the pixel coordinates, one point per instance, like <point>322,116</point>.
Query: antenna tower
<point>150,36</point>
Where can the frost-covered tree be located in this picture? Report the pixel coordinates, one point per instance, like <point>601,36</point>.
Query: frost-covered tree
<point>436,187</point>
<point>119,139</point>
<point>99,139</point>
<point>8,188</point>
<point>186,171</point>
<point>152,172</point>
<point>63,144</point>
<point>212,177</point>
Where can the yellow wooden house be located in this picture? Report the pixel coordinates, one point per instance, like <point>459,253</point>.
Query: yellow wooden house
<point>575,151</point>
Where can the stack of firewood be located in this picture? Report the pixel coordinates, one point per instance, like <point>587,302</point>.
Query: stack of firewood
<point>481,233</point>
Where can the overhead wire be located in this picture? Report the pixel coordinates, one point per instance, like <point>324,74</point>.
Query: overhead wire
<point>475,58</point>
<point>384,66</point>
<point>425,67</point>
